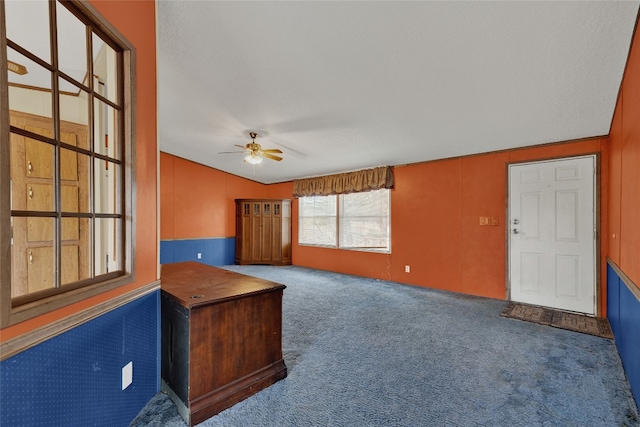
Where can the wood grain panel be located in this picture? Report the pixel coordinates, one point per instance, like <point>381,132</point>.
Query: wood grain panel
<point>263,231</point>
<point>69,158</point>
<point>69,264</point>
<point>39,158</point>
<point>33,187</point>
<point>221,337</point>
<point>40,270</point>
<point>236,338</point>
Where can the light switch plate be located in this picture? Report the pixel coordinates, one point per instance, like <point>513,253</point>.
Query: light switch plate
<point>127,375</point>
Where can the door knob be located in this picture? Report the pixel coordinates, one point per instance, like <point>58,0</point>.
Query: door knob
<point>515,231</point>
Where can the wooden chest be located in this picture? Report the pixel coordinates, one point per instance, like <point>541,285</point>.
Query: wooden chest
<point>221,337</point>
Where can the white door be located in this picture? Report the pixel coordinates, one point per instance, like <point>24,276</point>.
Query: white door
<point>552,233</point>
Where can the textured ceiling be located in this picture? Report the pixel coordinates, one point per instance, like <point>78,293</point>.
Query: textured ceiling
<point>340,86</point>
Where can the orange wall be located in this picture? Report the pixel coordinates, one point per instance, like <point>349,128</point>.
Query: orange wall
<point>624,165</point>
<point>199,202</point>
<point>435,210</point>
<point>136,21</point>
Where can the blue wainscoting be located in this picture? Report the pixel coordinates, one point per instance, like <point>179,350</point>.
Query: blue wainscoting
<point>215,251</point>
<point>623,312</point>
<point>75,379</point>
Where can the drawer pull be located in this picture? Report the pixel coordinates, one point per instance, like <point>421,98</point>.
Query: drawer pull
<point>29,168</point>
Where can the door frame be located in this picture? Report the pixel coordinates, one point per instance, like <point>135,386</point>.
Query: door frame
<point>597,217</point>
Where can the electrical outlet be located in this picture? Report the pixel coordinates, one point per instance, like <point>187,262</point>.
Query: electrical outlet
<point>127,375</point>
<point>407,269</point>
<point>199,255</point>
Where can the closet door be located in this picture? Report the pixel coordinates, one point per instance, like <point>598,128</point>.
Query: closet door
<point>285,235</point>
<point>276,233</point>
<point>243,231</point>
<point>265,231</point>
<point>256,231</point>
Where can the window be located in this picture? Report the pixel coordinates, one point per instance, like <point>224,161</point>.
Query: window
<point>67,182</point>
<point>364,220</point>
<point>362,223</point>
<point>317,217</point>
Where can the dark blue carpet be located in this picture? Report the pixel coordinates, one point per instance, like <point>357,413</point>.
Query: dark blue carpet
<point>363,352</point>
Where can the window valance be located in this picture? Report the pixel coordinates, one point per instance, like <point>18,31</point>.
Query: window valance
<point>342,183</point>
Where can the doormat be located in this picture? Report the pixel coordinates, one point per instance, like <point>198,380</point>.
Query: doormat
<point>558,319</point>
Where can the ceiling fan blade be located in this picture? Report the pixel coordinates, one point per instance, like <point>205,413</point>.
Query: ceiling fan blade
<point>270,156</point>
<point>16,68</point>
<point>244,147</point>
<point>231,152</point>
<point>272,150</point>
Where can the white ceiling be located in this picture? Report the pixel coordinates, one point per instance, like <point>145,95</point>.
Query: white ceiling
<point>340,86</point>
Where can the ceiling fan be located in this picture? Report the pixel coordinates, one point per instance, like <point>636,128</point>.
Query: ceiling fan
<point>254,152</point>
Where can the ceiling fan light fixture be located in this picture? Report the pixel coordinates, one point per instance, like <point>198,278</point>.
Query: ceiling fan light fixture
<point>253,158</point>
<point>254,154</point>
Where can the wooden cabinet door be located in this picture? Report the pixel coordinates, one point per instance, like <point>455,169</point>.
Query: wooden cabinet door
<point>265,231</point>
<point>285,235</point>
<point>263,234</point>
<point>256,223</point>
<point>276,232</point>
<point>243,232</point>
<point>32,182</point>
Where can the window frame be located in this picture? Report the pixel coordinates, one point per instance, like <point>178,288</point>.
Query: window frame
<point>339,212</point>
<point>10,313</point>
